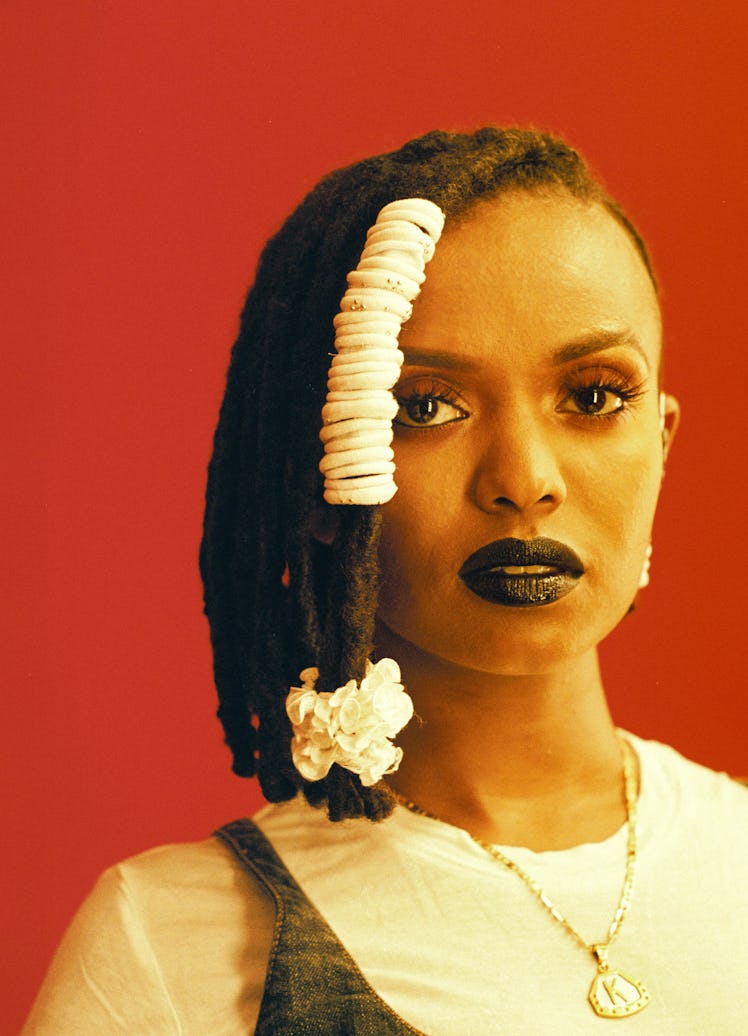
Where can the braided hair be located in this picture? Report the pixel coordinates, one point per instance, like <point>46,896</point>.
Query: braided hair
<point>276,598</point>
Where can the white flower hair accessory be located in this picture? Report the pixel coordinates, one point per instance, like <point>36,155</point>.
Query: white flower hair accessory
<point>357,416</point>
<point>351,726</point>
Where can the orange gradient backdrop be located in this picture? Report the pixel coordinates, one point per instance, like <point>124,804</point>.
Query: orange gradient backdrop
<point>150,149</point>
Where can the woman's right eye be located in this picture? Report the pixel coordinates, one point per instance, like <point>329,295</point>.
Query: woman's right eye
<point>428,410</point>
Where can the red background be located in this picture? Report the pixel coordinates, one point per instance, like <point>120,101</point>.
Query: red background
<point>152,147</point>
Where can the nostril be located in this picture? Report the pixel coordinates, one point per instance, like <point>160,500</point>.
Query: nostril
<point>518,487</point>
<point>506,501</point>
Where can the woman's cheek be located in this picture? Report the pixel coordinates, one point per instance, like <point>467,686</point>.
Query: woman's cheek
<point>627,491</point>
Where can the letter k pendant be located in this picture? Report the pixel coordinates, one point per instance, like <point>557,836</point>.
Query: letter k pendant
<point>612,994</point>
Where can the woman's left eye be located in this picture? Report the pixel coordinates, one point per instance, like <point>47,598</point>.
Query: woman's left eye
<point>427,410</point>
<point>596,400</point>
<point>601,394</point>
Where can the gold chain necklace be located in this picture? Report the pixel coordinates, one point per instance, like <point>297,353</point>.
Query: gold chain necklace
<point>612,994</point>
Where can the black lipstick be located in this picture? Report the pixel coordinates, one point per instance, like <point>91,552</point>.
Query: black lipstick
<point>522,573</point>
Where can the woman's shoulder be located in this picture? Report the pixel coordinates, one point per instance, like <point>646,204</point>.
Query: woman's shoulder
<point>681,795</point>
<point>204,867</point>
<point>175,938</point>
<point>180,893</point>
<point>175,884</point>
<point>667,763</point>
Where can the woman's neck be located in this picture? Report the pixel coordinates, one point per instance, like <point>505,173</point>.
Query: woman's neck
<point>516,760</point>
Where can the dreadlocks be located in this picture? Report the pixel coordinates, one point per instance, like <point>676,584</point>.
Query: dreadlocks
<point>277,599</point>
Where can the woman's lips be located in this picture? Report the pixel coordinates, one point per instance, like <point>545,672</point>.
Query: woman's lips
<point>522,573</point>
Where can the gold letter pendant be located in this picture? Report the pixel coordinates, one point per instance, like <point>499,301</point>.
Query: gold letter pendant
<point>612,995</point>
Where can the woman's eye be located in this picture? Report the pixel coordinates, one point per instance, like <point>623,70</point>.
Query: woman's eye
<point>419,411</point>
<point>595,401</point>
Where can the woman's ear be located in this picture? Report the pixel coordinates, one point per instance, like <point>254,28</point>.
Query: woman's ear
<point>669,420</point>
<point>324,522</point>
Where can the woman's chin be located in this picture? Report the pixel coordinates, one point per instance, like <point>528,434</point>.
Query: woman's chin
<point>505,641</point>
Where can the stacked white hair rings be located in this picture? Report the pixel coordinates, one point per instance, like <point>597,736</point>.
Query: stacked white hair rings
<point>357,416</point>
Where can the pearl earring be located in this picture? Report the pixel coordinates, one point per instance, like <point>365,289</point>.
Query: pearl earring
<point>644,577</point>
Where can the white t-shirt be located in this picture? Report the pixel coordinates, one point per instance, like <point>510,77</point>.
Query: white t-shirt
<point>176,940</point>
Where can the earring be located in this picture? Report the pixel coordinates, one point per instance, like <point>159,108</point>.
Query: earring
<point>644,577</point>
<point>664,433</point>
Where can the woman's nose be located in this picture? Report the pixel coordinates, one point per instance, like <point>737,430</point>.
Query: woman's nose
<point>519,468</point>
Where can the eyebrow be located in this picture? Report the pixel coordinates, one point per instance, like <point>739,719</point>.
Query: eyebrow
<point>599,340</point>
<point>439,358</point>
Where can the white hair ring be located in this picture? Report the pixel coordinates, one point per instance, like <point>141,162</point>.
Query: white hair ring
<point>360,406</point>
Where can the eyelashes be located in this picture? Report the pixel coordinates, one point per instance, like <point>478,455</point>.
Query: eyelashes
<point>428,404</point>
<point>591,394</point>
<point>600,393</point>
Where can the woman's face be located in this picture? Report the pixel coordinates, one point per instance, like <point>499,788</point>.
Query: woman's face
<point>529,408</point>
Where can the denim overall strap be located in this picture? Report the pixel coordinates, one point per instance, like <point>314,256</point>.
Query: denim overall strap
<point>313,986</point>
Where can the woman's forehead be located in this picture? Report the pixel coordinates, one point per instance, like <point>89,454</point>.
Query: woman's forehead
<point>540,266</point>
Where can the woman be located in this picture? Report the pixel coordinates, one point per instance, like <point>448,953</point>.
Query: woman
<point>535,870</point>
